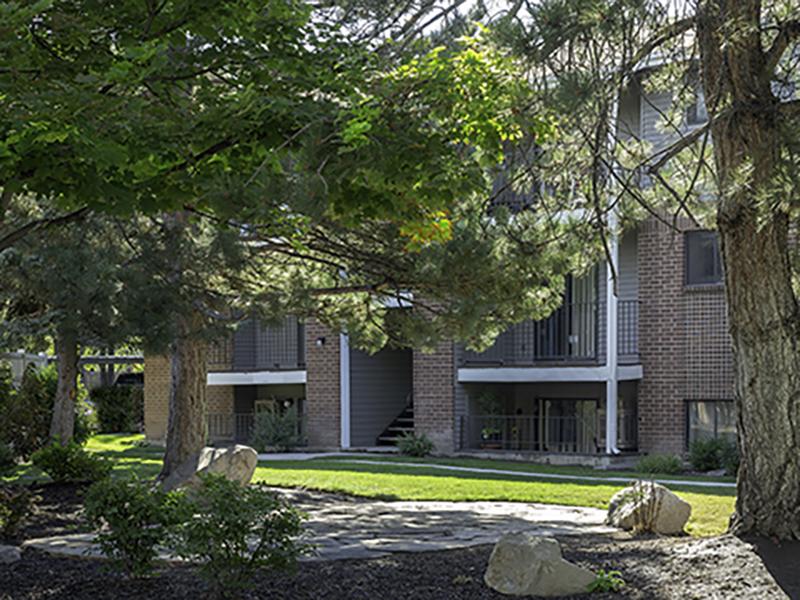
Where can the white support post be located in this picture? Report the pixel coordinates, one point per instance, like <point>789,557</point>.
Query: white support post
<point>344,390</point>
<point>612,332</point>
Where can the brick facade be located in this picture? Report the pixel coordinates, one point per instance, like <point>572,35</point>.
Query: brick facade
<point>434,396</point>
<point>322,406</point>
<point>683,340</point>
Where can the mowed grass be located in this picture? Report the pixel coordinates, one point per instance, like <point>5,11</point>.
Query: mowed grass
<point>389,478</point>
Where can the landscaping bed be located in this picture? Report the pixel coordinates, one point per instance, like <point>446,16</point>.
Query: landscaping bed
<point>719,567</point>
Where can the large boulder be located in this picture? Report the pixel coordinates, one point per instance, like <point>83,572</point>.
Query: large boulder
<point>9,555</point>
<point>524,564</point>
<point>237,463</point>
<point>647,506</point>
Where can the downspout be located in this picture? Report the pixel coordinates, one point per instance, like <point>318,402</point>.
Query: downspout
<point>344,391</point>
<point>612,330</point>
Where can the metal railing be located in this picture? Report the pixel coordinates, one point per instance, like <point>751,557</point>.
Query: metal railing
<point>569,334</point>
<point>238,427</point>
<point>628,328</point>
<point>531,433</point>
<point>258,347</point>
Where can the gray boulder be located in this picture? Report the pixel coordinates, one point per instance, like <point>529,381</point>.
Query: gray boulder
<point>647,506</point>
<point>524,564</point>
<point>9,555</point>
<point>237,463</point>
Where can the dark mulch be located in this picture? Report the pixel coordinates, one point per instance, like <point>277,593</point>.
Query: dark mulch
<point>58,509</point>
<point>654,568</point>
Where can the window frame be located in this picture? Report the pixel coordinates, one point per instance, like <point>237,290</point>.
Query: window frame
<point>687,262</point>
<point>687,416</point>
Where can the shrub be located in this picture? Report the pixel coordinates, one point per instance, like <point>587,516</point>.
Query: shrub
<point>28,411</point>
<point>120,409</point>
<point>15,506</point>
<point>236,530</point>
<point>133,520</point>
<point>668,464</point>
<point>706,454</point>
<point>412,444</point>
<point>607,581</point>
<point>276,429</point>
<point>71,463</point>
<point>730,458</point>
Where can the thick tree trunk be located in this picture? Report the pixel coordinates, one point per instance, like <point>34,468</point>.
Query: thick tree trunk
<point>754,229</point>
<point>187,427</point>
<point>62,425</point>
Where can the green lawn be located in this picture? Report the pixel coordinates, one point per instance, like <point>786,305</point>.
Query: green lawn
<point>391,479</point>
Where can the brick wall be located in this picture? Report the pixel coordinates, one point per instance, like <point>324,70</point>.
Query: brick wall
<point>683,340</point>
<point>322,387</point>
<point>434,396</point>
<point>156,397</point>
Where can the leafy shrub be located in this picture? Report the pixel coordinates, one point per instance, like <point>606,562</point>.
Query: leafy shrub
<point>711,454</point>
<point>237,530</point>
<point>27,412</point>
<point>71,463</point>
<point>607,581</point>
<point>7,458</point>
<point>668,464</point>
<point>15,505</point>
<point>120,409</point>
<point>276,429</point>
<point>133,519</point>
<point>412,444</point>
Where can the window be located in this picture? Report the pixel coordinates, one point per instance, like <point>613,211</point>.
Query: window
<point>710,419</point>
<point>696,112</point>
<point>703,262</point>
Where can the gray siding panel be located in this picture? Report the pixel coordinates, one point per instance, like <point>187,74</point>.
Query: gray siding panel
<point>628,267</point>
<point>380,386</point>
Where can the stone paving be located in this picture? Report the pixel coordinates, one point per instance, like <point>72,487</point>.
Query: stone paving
<point>344,527</point>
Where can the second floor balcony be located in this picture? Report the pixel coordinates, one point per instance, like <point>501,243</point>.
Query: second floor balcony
<point>255,346</point>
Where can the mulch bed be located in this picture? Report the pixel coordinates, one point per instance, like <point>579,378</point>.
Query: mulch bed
<point>654,568</point>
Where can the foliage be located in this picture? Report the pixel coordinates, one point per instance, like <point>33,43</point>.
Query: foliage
<point>133,518</point>
<point>71,463</point>
<point>8,459</point>
<point>237,530</point>
<point>15,505</point>
<point>120,409</point>
<point>276,429</point>
<point>412,444</point>
<point>714,453</point>
<point>27,412</point>
<point>668,464</point>
<point>607,581</point>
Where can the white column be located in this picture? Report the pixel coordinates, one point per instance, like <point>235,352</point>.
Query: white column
<point>612,331</point>
<point>344,390</point>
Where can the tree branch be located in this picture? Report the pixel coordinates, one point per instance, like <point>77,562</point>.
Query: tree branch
<point>789,32</point>
<point>11,238</point>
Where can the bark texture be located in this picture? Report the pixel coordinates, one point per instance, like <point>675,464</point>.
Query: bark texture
<point>763,310</point>
<point>62,425</point>
<point>186,426</point>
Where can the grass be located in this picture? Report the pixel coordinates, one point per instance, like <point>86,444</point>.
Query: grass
<point>388,478</point>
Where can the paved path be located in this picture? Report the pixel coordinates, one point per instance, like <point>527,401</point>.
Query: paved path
<point>368,459</point>
<point>344,527</point>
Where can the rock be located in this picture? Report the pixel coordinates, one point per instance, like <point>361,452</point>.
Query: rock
<point>237,463</point>
<point>648,507</point>
<point>524,564</point>
<point>9,555</point>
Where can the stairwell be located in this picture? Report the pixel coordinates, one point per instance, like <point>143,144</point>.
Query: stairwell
<point>403,423</point>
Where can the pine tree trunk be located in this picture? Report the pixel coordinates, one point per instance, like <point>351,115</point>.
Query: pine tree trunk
<point>62,425</point>
<point>754,230</point>
<point>187,426</point>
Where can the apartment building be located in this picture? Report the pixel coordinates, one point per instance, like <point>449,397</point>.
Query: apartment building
<point>645,369</point>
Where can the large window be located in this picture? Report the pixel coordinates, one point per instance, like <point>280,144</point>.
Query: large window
<point>703,262</point>
<point>710,419</point>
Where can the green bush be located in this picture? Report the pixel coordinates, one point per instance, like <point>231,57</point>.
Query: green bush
<point>276,429</point>
<point>71,463</point>
<point>714,453</point>
<point>607,581</point>
<point>237,530</point>
<point>120,409</point>
<point>133,519</point>
<point>412,444</point>
<point>668,464</point>
<point>15,505</point>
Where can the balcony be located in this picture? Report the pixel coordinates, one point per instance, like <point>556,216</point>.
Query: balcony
<point>258,347</point>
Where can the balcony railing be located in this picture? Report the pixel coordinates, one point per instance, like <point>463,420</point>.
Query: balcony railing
<point>569,334</point>
<point>258,347</point>
<point>628,328</point>
<point>531,433</point>
<point>238,427</point>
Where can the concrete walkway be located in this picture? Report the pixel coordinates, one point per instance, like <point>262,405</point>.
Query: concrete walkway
<point>371,459</point>
<point>344,527</point>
